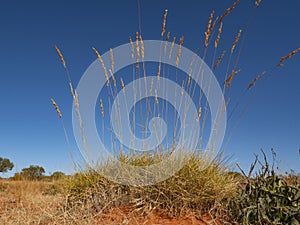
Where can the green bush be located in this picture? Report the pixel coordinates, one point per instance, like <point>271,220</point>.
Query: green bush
<point>267,198</point>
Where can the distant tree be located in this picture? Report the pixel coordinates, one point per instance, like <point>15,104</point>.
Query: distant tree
<point>33,172</point>
<point>5,165</point>
<point>57,175</point>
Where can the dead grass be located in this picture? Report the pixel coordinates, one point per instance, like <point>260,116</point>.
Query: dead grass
<point>40,202</point>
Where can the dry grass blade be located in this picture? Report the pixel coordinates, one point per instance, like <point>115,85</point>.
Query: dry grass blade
<point>208,29</point>
<point>113,77</point>
<point>229,10</point>
<point>60,56</point>
<point>199,113</point>
<point>112,60</point>
<point>103,65</point>
<point>171,47</point>
<point>237,38</point>
<point>166,42</point>
<point>219,35</point>
<point>72,90</point>
<point>142,47</point>
<point>283,59</point>
<point>179,50</point>
<point>158,72</point>
<point>256,79</point>
<point>56,108</point>
<point>151,86</point>
<point>229,80</point>
<point>137,47</point>
<point>219,60</point>
<point>163,29</point>
<point>102,108</point>
<point>76,101</point>
<point>122,84</point>
<point>156,98</point>
<point>132,47</point>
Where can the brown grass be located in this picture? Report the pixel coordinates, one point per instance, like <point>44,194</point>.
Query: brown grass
<point>42,202</point>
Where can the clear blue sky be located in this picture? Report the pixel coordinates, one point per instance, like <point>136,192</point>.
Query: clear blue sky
<point>31,73</point>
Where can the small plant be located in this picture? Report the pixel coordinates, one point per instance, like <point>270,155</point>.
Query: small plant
<point>267,198</point>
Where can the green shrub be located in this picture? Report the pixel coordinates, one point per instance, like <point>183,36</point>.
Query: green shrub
<point>267,198</point>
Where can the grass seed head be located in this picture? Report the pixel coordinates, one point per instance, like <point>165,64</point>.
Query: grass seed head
<point>137,49</point>
<point>179,50</point>
<point>291,54</point>
<point>219,59</point>
<point>132,47</point>
<point>122,84</point>
<point>209,28</point>
<point>163,29</point>
<point>229,10</point>
<point>112,61</point>
<point>103,65</point>
<point>102,108</point>
<point>142,47</point>
<point>60,56</point>
<point>219,35</point>
<point>256,79</point>
<point>166,42</point>
<point>237,38</point>
<point>257,3</point>
<point>56,108</point>
<point>229,79</point>
<point>171,47</point>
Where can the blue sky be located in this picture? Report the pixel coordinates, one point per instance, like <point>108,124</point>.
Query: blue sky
<point>31,73</point>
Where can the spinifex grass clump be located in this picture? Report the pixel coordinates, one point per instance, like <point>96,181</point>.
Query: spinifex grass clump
<point>267,198</point>
<point>191,190</point>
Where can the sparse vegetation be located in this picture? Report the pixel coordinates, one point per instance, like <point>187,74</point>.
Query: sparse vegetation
<point>266,197</point>
<point>213,194</point>
<point>190,191</point>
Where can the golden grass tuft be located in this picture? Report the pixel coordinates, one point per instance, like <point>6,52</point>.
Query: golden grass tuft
<point>189,191</point>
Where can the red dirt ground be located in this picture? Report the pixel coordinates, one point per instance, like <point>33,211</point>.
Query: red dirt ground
<point>124,217</point>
